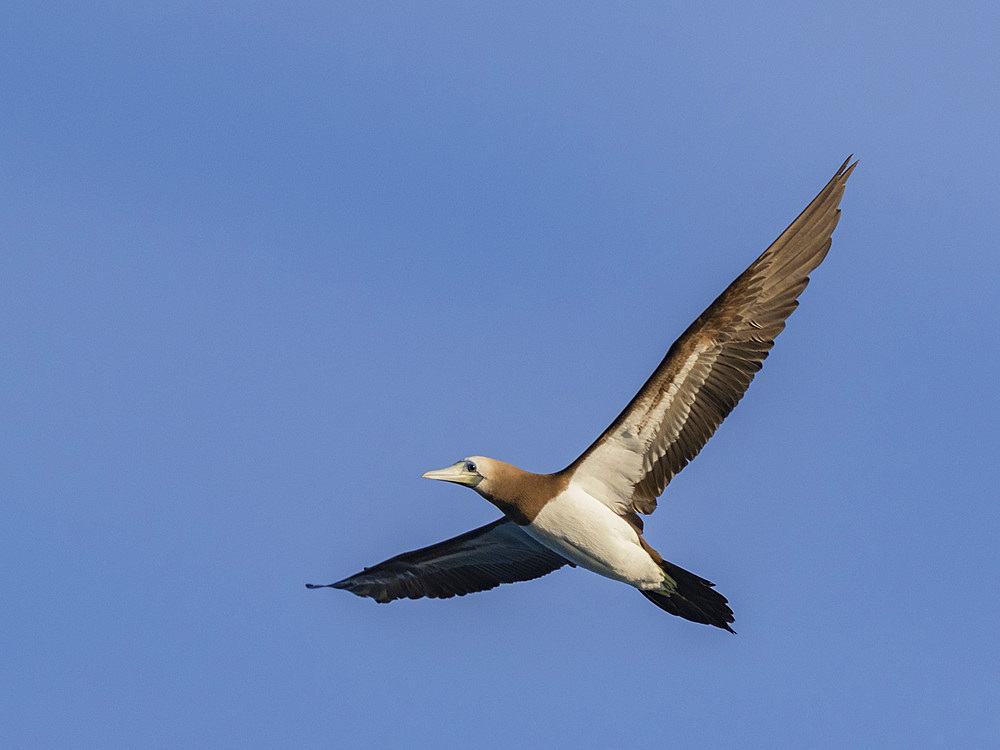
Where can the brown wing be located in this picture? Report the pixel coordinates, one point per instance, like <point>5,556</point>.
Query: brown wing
<point>708,369</point>
<point>475,561</point>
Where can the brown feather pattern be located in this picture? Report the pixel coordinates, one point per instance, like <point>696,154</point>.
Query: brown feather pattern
<point>708,369</point>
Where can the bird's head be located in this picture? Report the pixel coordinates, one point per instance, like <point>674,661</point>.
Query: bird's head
<point>472,472</point>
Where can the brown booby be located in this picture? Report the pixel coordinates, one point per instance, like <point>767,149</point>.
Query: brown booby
<point>587,515</point>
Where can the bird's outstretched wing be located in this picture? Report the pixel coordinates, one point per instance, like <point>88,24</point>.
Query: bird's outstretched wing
<point>478,560</point>
<point>707,370</point>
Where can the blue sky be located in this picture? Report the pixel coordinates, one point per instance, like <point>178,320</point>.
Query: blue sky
<point>263,265</point>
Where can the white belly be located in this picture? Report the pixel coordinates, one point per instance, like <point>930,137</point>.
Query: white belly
<point>587,532</point>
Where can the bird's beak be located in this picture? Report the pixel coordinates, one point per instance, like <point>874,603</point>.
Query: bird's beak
<point>456,473</point>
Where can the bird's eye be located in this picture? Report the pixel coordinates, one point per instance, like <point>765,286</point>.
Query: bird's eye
<point>470,467</point>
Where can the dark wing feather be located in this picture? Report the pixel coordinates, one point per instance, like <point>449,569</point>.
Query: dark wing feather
<point>707,370</point>
<point>478,560</point>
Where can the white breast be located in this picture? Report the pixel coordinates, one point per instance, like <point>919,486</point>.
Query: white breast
<point>586,531</point>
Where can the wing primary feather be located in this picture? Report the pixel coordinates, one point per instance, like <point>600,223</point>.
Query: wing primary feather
<point>478,560</point>
<point>708,369</point>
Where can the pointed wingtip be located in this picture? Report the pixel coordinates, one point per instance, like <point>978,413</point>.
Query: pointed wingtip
<point>335,585</point>
<point>846,168</point>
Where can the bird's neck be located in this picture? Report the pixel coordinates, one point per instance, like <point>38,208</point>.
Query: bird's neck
<point>521,495</point>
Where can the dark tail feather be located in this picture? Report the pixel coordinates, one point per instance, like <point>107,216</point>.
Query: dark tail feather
<point>693,598</point>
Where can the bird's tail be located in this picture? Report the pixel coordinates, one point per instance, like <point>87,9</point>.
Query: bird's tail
<point>689,596</point>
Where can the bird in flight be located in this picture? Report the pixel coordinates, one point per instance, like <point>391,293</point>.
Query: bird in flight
<point>588,514</point>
